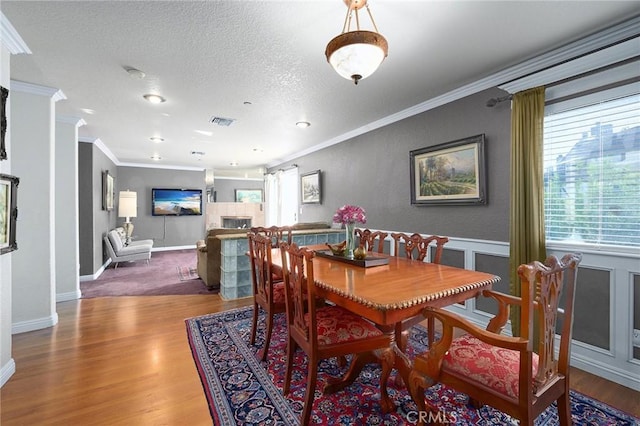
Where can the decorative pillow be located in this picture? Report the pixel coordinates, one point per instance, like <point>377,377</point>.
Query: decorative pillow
<point>121,234</point>
<point>488,365</point>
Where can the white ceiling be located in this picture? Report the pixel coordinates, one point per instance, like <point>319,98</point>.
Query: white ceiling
<point>211,58</point>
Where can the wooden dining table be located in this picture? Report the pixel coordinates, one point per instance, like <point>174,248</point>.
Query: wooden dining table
<point>390,293</point>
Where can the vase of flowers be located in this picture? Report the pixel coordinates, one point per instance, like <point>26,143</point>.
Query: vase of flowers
<point>349,215</point>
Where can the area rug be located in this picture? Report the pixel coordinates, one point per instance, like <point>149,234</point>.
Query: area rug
<point>186,273</point>
<point>242,390</point>
<point>158,278</point>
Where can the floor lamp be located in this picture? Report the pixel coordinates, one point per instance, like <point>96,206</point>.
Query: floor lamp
<point>128,208</point>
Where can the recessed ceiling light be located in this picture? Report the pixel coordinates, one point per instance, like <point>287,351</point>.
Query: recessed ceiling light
<point>247,103</point>
<point>156,139</point>
<point>303,124</point>
<point>87,110</point>
<point>135,73</point>
<point>154,99</point>
<point>204,132</point>
<point>233,164</point>
<point>156,157</point>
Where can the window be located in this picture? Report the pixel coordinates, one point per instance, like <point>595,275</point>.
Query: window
<point>592,171</point>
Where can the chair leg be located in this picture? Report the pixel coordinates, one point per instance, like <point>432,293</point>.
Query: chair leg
<point>265,350</point>
<point>291,350</point>
<point>417,385</point>
<point>254,324</point>
<point>312,377</point>
<point>564,410</point>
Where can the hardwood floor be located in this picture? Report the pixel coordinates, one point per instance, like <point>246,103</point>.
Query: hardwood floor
<point>126,361</point>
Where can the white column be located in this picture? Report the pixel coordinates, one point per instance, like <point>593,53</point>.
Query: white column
<point>66,207</point>
<point>33,149</point>
<point>10,44</point>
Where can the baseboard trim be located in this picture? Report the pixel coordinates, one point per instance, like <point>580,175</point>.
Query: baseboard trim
<point>7,371</point>
<point>71,295</point>
<point>35,324</point>
<point>617,375</point>
<point>189,247</point>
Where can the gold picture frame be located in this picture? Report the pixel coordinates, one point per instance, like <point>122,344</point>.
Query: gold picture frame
<point>449,173</point>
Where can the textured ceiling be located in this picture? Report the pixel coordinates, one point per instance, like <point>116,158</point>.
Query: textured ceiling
<point>262,64</point>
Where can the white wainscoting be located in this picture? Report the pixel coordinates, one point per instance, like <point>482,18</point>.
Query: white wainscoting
<point>617,363</point>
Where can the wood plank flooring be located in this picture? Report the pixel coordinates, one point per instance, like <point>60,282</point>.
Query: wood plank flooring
<point>126,361</point>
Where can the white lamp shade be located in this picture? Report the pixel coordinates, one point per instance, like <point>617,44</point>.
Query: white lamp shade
<point>128,204</point>
<point>356,54</point>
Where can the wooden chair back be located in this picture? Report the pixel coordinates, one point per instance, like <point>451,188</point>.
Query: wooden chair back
<point>276,234</point>
<point>416,246</point>
<point>299,290</point>
<point>261,267</point>
<point>531,375</point>
<point>368,239</point>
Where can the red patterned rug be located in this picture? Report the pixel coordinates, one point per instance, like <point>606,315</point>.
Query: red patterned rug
<point>242,390</point>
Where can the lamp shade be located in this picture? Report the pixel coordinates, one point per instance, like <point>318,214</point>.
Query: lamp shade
<point>356,54</point>
<point>128,204</point>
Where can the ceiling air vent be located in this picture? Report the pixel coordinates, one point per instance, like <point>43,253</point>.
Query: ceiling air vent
<point>221,121</point>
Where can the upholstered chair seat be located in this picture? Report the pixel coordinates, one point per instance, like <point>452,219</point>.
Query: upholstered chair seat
<point>486,365</point>
<point>337,325</point>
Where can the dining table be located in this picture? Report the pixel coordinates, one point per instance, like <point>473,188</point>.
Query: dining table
<point>393,290</point>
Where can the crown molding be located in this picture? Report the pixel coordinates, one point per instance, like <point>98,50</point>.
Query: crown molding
<point>162,166</point>
<point>101,146</point>
<point>597,41</point>
<point>36,89</point>
<point>11,39</point>
<point>68,119</point>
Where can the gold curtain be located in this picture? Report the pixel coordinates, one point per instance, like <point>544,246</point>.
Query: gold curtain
<point>526,225</point>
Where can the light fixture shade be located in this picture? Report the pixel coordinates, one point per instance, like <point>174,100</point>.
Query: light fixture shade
<point>128,204</point>
<point>356,54</point>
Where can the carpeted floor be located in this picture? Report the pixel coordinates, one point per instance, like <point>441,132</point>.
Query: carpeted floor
<point>168,273</point>
<point>240,390</point>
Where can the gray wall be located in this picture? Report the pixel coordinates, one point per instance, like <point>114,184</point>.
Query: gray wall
<point>372,170</point>
<point>94,222</point>
<point>225,188</point>
<point>166,231</point>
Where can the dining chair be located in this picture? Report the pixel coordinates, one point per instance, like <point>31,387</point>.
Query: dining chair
<point>268,293</point>
<point>520,376</point>
<point>368,239</point>
<point>416,247</point>
<point>275,233</point>
<point>322,331</point>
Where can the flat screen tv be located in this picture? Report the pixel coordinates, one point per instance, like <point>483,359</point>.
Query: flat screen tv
<point>176,202</point>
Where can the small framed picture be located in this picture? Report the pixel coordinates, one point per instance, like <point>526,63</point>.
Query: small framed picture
<point>8,213</point>
<point>311,187</point>
<point>108,189</point>
<point>248,195</point>
<point>449,173</point>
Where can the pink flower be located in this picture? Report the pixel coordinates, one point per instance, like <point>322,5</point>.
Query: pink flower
<point>350,214</point>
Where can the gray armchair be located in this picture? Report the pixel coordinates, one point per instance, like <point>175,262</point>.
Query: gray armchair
<point>118,252</point>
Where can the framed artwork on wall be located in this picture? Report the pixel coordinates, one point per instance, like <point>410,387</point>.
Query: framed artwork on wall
<point>4,94</point>
<point>108,194</point>
<point>8,212</point>
<point>311,188</point>
<point>248,195</point>
<point>449,173</point>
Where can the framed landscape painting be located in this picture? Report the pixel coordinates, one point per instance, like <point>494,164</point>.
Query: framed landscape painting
<point>8,213</point>
<point>449,173</point>
<point>248,195</point>
<point>311,188</point>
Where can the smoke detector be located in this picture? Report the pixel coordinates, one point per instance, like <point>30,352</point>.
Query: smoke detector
<point>221,121</point>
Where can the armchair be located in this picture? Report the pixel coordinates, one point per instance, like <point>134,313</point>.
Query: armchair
<point>520,376</point>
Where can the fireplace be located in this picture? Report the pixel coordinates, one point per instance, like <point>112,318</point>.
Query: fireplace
<point>240,222</point>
